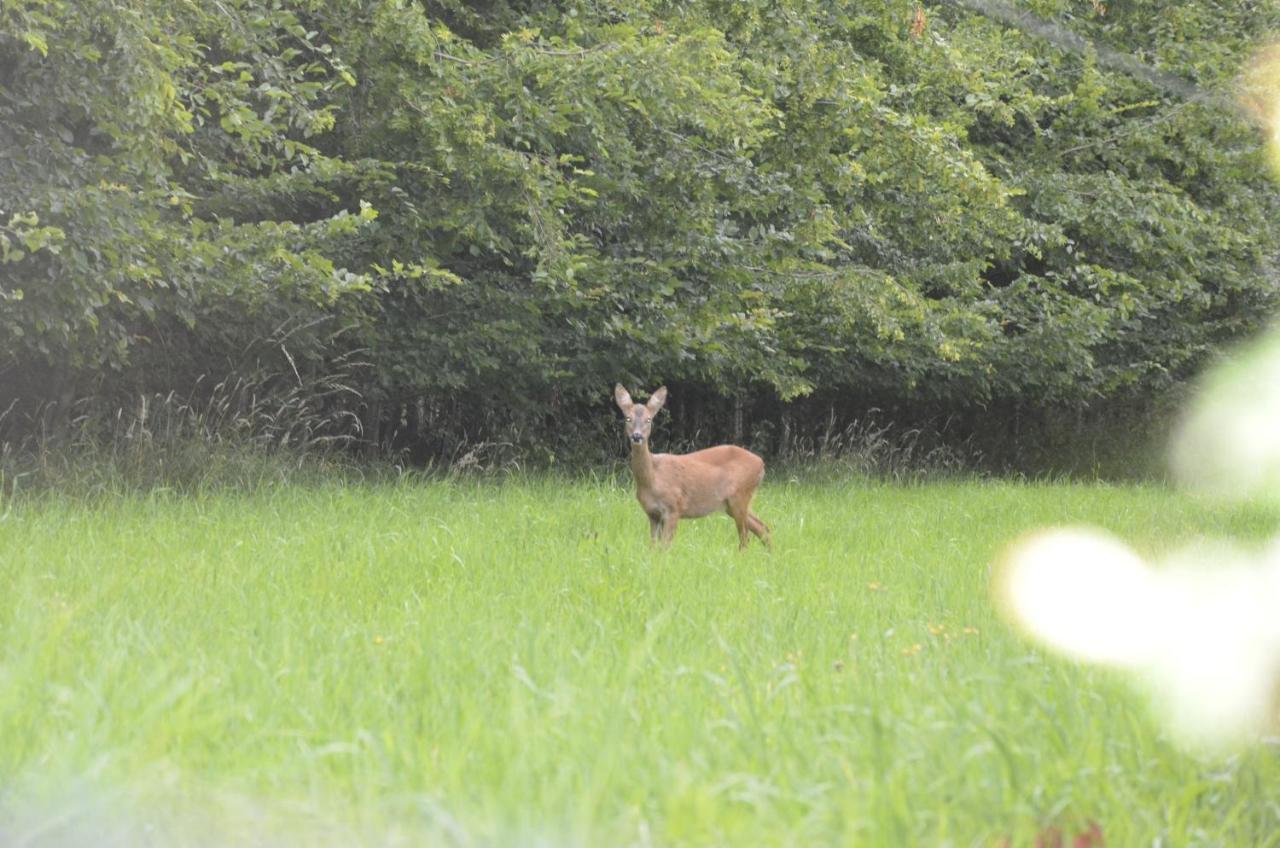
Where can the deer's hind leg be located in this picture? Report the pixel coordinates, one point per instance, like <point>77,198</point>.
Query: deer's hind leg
<point>667,527</point>
<point>762,531</point>
<point>739,511</point>
<point>739,506</point>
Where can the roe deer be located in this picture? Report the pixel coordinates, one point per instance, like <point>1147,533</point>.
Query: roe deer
<point>674,486</point>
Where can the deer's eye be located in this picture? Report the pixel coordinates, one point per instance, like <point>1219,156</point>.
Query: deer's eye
<point>628,419</point>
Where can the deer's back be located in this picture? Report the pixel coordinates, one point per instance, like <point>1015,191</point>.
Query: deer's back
<point>729,458</point>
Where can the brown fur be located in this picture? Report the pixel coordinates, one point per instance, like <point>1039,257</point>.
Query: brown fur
<point>675,486</point>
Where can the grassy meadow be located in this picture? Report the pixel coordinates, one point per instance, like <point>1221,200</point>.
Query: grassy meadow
<point>508,663</point>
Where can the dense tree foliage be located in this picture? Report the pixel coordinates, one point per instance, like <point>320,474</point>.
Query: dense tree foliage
<point>475,202</point>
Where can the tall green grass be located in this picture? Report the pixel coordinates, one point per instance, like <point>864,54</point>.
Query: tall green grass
<point>509,664</point>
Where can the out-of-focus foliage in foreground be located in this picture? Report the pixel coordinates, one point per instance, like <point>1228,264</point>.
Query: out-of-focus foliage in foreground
<point>1203,630</point>
<point>909,202</point>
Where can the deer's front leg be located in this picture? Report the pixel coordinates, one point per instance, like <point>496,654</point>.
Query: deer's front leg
<point>655,528</point>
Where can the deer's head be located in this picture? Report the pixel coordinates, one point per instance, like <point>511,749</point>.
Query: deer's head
<point>638,416</point>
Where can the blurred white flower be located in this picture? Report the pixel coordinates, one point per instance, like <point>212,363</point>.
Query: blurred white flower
<point>1081,592</point>
<point>1228,442</point>
<point>1260,97</point>
<point>1202,630</point>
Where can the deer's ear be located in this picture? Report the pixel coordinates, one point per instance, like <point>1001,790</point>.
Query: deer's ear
<point>622,398</point>
<point>656,400</point>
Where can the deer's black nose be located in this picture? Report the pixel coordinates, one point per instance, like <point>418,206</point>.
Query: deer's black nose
<point>637,438</point>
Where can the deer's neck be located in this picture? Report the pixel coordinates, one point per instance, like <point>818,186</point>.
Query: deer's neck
<point>642,465</point>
